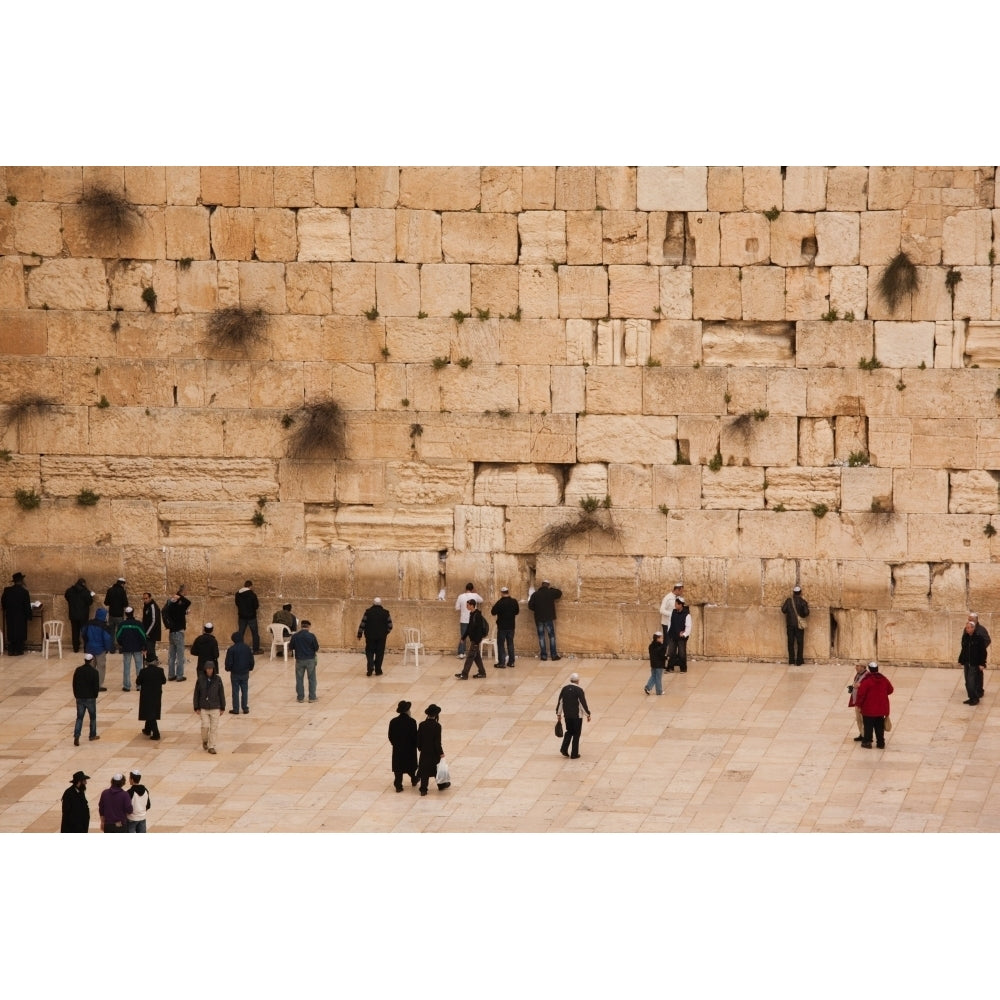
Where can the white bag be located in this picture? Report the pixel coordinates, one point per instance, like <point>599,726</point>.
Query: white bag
<point>443,777</point>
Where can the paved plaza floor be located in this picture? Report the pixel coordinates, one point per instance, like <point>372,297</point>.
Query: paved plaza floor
<point>729,747</point>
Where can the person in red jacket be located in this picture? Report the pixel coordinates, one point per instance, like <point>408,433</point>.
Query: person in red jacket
<point>872,699</point>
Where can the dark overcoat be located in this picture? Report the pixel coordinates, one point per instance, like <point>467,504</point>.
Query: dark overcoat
<point>429,745</point>
<point>403,737</point>
<point>150,683</point>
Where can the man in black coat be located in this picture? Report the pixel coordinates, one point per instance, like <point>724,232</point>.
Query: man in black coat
<point>86,684</point>
<point>972,656</point>
<point>116,601</point>
<point>16,604</point>
<point>78,601</point>
<point>205,647</point>
<point>246,613</point>
<point>151,624</point>
<point>75,811</point>
<point>796,611</point>
<point>478,630</point>
<point>429,745</point>
<point>403,737</point>
<point>505,611</point>
<point>543,604</point>
<point>150,682</point>
<point>376,624</point>
<point>239,663</point>
<point>571,700</point>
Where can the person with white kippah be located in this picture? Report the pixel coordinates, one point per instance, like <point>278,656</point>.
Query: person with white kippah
<point>571,700</point>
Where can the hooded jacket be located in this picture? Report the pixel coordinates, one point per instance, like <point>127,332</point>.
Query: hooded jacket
<point>96,634</point>
<point>872,695</point>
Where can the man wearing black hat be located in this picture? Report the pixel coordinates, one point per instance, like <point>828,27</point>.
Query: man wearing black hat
<point>571,699</point>
<point>16,604</point>
<point>75,811</point>
<point>429,745</point>
<point>403,737</point>
<point>151,682</point>
<point>86,684</point>
<point>376,624</point>
<point>796,611</point>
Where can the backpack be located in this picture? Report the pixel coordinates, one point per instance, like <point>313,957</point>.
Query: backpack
<point>482,627</point>
<point>166,619</point>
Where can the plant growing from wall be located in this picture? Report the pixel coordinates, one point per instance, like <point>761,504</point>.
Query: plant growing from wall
<point>27,499</point>
<point>440,363</point>
<point>869,364</point>
<point>236,327</point>
<point>460,317</point>
<point>185,263</point>
<point>821,510</point>
<point>830,316</point>
<point>590,518</point>
<point>87,498</point>
<point>951,280</point>
<point>664,510</point>
<point>899,279</point>
<point>108,213</point>
<point>371,313</point>
<point>772,213</point>
<point>5,455</point>
<point>149,297</point>
<point>320,431</point>
<point>715,462</point>
<point>102,403</point>
<point>989,531</point>
<point>12,200</point>
<point>464,362</point>
<point>258,515</point>
<point>858,458</point>
<point>482,314</point>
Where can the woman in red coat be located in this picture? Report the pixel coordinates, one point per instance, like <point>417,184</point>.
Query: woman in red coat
<point>872,700</point>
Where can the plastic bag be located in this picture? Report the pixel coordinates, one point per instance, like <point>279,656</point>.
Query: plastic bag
<point>443,777</point>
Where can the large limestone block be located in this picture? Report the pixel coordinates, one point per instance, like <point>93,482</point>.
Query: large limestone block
<point>293,187</point>
<point>948,585</point>
<point>479,237</point>
<point>864,488</point>
<point>889,187</point>
<point>919,491</point>
<point>747,390</point>
<point>576,188</point>
<point>538,291</point>
<point>945,393</point>
<point>257,187</point>
<point>533,341</point>
<point>479,389</point>
<point>729,489</point>
<point>232,233</point>
<point>495,289</point>
<point>579,629</point>
<point>353,386</point>
<point>890,441</point>
<point>616,188</point>
<point>880,238</point>
<point>397,289</point>
<point>785,534</point>
<point>500,189</point>
<point>793,239</point>
<point>863,536</point>
<point>672,189</point>
<point>939,537</point>
<point>904,345</point>
<point>418,236</point>
<point>676,342</point>
<point>479,339</point>
<point>972,492</point>
<point>753,633</point>
<point>623,237</point>
<point>11,284</point>
<point>445,289</point>
<point>916,637</point>
<point>324,234</point>
<point>984,591</point>
<point>308,288</point>
<point>762,188</point>
<point>628,438</point>
<point>419,341</point>
<point>534,388</point>
<point>683,390</point>
<point>262,286</point>
<point>716,293</point>
<point>419,580</point>
<point>839,344</point>
<point>910,587</point>
<point>373,234</point>
<point>866,584</point>
<point>538,187</point>
<point>205,524</point>
<point>22,332</point>
<point>850,438</point>
<point>583,292</point>
<point>807,292</point>
<point>613,390</point>
<point>725,189</point>
<point>982,344</point>
<point>376,187</point>
<point>755,344</point>
<point>676,295</point>
<point>70,334</point>
<point>68,283</point>
<point>37,229</point>
<point>569,389</point>
<point>745,239</point>
<point>634,290</point>
<point>429,483</point>
<point>849,290</point>
<point>220,186</point>
<point>741,583</point>
<point>147,240</point>
<point>847,189</point>
<point>973,295</point>
<point>375,574</point>
<point>988,444</point>
<point>803,489</point>
<point>631,486</point>
<point>543,237</point>
<point>943,444</point>
<point>805,189</point>
<point>586,481</point>
<point>854,638</point>
<point>188,232</point>
<point>608,580</point>
<point>703,533</point>
<point>310,482</point>
<point>275,236</point>
<point>455,189</point>
<point>838,235</point>
<point>703,239</point>
<point>526,437</point>
<point>62,184</point>
<point>524,485</point>
<point>786,391</point>
<point>479,529</point>
<point>636,341</point>
<point>697,440</point>
<point>408,528</point>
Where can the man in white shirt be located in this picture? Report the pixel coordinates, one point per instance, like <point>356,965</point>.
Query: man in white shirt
<point>462,607</point>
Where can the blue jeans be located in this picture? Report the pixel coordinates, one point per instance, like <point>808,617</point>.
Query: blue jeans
<point>241,686</point>
<point>463,631</point>
<point>244,623</point>
<point>175,655</point>
<point>136,826</point>
<point>85,705</point>
<point>505,641</point>
<point>127,658</point>
<point>302,668</point>
<point>655,679</point>
<point>542,628</point>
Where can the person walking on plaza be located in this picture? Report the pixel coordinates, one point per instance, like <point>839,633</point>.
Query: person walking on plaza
<point>796,611</point>
<point>141,804</point>
<point>116,601</point>
<point>852,700</point>
<point>151,682</point>
<point>131,640</point>
<point>462,607</point>
<point>972,656</point>
<point>543,604</point>
<point>205,647</point>
<point>98,641</point>
<point>151,624</point>
<point>571,699</point>
<point>209,703</point>
<point>239,663</point>
<point>16,604</point>
<point>306,648</point>
<point>505,611</point>
<point>246,613</point>
<point>75,810</point>
<point>174,614</point>
<point>872,697</point>
<point>429,745</point>
<point>478,629</point>
<point>657,661</point>
<point>79,598</point>
<point>86,684</point>
<point>114,805</point>
<point>403,738</point>
<point>678,633</point>
<point>376,624</point>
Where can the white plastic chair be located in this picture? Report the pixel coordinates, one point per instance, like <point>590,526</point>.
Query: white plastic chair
<point>488,643</point>
<point>51,636</point>
<point>280,635</point>
<point>412,644</point>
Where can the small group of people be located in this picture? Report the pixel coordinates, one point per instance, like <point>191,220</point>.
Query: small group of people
<point>417,750</point>
<point>121,809</point>
<point>868,695</point>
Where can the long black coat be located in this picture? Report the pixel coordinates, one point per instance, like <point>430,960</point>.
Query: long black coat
<point>79,601</point>
<point>429,745</point>
<point>75,811</point>
<point>16,603</point>
<point>150,683</point>
<point>403,737</point>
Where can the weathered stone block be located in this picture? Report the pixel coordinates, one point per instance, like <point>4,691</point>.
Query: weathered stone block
<point>543,237</point>
<point>805,189</point>
<point>982,344</point>
<point>576,188</point>
<point>838,235</point>
<point>220,186</point>
<point>745,238</point>
<point>624,237</point>
<point>755,344</point>
<point>480,387</point>
<point>519,485</point>
<point>586,481</point>
<point>889,187</point>
<point>495,289</point>
<point>479,529</point>
<point>762,188</point>
<point>880,238</point>
<point>793,239</point>
<point>833,345</point>
<point>444,189</point>
<point>676,342</point>
<point>430,483</point>
<point>538,188</point>
<point>672,189</point>
<point>864,488</point>
<point>683,390</point>
<point>373,234</point>
<point>412,528</point>
<point>940,537</point>
<point>275,236</point>
<point>68,283</point>
<point>616,188</point>
<point>376,187</point>
<point>538,290</point>
<point>21,333</point>
<point>583,238</point>
<point>904,345</point>
<point>62,184</point>
<point>725,189</point>
<point>703,239</point>
<point>631,486</point>
<point>418,340</point>
<point>445,289</point>
<point>500,189</point>
<point>262,286</point>
<point>293,187</point>
<point>324,234</point>
<point>583,292</point>
<point>569,389</point>
<point>807,292</point>
<point>37,229</point>
<point>479,340</point>
<point>770,442</point>
<point>697,439</point>
<point>786,391</point>
<point>334,186</point>
<point>973,293</point>
<point>717,293</point>
<point>849,290</point>
<point>972,492</point>
<point>397,289</point>
<point>308,288</point>
<point>804,488</point>
<point>920,491</point>
<point>187,232</point>
<point>479,237</point>
<point>644,440</point>
<point>733,489</point>
<point>676,294</point>
<point>257,187</point>
<point>183,185</point>
<point>634,290</point>
<point>232,232</point>
<point>763,293</point>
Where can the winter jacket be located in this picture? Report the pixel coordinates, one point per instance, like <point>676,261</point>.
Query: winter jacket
<point>376,624</point>
<point>304,644</point>
<point>239,657</point>
<point>79,601</point>
<point>872,695</point>
<point>96,634</point>
<point>86,682</point>
<point>246,603</point>
<point>543,603</point>
<point>795,607</point>
<point>506,611</point>
<point>116,600</point>
<point>209,693</point>
<point>151,621</point>
<point>479,627</point>
<point>130,636</point>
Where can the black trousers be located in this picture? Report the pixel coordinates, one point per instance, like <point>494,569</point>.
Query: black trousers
<point>677,653</point>
<point>876,724</point>
<point>796,645</point>
<point>375,654</point>
<point>474,656</point>
<point>75,625</point>
<point>574,727</point>
<point>397,778</point>
<point>973,682</point>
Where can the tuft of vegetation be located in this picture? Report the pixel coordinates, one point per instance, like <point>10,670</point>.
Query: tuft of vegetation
<point>682,460</point>
<point>664,510</point>
<point>589,518</point>
<point>258,515</point>
<point>371,313</point>
<point>27,499</point>
<point>503,412</point>
<point>460,317</point>
<point>830,316</point>
<point>858,458</point>
<point>778,508</point>
<point>922,366</point>
<point>440,363</point>
<point>869,364</point>
<point>849,316</point>
<point>653,362</point>
<point>761,414</point>
<point>421,315</point>
<point>464,362</point>
<point>102,403</point>
<point>116,323</point>
<point>28,402</point>
<point>5,455</point>
<point>385,352</point>
<point>899,278</point>
<point>404,402</point>
<point>320,431</point>
<point>989,531</point>
<point>900,385</point>
<point>821,510</point>
<point>416,430</point>
<point>12,200</point>
<point>87,498</point>
<point>109,213</point>
<point>715,462</point>
<point>287,420</point>
<point>516,315</point>
<point>589,504</point>
<point>772,213</point>
<point>482,314</point>
<point>235,326</point>
<point>185,262</point>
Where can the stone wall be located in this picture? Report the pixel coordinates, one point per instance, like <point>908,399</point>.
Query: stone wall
<point>706,347</point>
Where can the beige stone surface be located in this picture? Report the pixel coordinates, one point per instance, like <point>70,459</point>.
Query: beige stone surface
<point>847,189</point>
<point>762,189</point>
<point>725,189</point>
<point>763,344</point>
<point>889,187</point>
<point>376,187</point>
<point>67,283</point>
<point>716,293</point>
<point>672,189</point>
<point>583,292</point>
<point>439,188</point>
<point>835,344</point>
<point>745,238</point>
<point>479,237</point>
<point>445,289</point>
